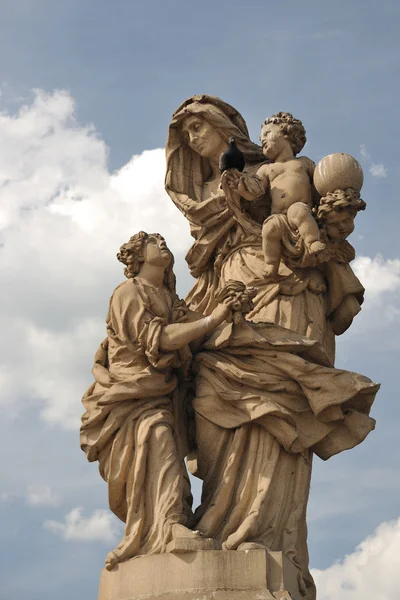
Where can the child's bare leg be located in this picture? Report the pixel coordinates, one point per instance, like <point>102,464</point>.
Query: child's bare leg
<point>271,244</point>
<point>300,216</point>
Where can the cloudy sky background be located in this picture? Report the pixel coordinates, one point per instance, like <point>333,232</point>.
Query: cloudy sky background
<point>87,91</point>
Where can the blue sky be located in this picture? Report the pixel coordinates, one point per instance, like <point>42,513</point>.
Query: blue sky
<point>87,91</point>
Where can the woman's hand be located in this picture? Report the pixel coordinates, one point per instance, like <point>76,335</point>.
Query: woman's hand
<point>187,203</point>
<point>249,187</point>
<point>223,312</point>
<point>178,335</point>
<point>231,178</point>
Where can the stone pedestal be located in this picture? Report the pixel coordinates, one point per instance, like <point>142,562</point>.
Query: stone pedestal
<point>205,575</point>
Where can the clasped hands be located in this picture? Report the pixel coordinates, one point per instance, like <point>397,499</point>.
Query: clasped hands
<point>234,299</point>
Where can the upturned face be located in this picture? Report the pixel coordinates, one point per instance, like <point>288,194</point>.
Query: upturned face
<point>203,138</point>
<point>339,224</point>
<point>273,141</point>
<point>156,252</point>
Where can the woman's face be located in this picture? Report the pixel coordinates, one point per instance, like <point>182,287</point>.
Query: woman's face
<point>203,138</point>
<point>339,224</point>
<point>156,252</point>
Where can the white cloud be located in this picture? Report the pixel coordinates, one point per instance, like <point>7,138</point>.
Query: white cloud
<point>63,216</point>
<point>370,573</point>
<point>51,367</point>
<point>363,151</point>
<point>101,526</point>
<point>376,169</point>
<point>378,275</point>
<point>381,309</point>
<point>41,495</point>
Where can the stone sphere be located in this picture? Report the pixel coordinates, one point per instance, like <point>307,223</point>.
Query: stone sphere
<point>338,171</point>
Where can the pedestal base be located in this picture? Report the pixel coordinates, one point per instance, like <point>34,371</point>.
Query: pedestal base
<point>205,575</point>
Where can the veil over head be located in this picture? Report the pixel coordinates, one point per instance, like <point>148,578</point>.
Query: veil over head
<point>186,170</point>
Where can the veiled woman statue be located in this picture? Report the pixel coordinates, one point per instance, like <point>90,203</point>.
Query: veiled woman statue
<point>227,244</point>
<point>258,413</point>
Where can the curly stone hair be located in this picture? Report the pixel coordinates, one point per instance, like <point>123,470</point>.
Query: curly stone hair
<point>292,129</point>
<point>339,200</point>
<point>131,255</point>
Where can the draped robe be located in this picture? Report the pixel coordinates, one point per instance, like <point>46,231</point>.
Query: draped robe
<point>266,399</point>
<point>133,421</point>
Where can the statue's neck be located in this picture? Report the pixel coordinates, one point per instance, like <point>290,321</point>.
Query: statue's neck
<point>151,275</point>
<point>285,155</point>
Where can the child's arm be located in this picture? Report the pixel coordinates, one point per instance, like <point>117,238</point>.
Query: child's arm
<point>310,166</point>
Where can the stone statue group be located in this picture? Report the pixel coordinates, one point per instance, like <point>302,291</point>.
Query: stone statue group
<point>239,378</point>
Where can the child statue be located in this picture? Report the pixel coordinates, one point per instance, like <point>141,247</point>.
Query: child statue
<point>289,182</point>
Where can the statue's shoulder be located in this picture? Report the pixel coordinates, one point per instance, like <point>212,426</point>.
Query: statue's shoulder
<point>125,292</point>
<point>123,288</point>
<point>307,162</point>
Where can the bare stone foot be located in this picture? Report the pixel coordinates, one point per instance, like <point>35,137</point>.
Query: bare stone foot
<point>180,531</point>
<point>111,560</point>
<point>316,247</point>
<point>271,272</point>
<point>186,540</point>
<point>246,546</point>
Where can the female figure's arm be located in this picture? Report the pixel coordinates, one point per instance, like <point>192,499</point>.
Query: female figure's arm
<point>178,335</point>
<point>248,186</point>
<point>205,212</point>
